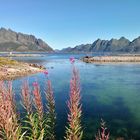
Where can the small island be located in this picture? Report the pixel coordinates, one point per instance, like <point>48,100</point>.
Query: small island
<point>11,69</point>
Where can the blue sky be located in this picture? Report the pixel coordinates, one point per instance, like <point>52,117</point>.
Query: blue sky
<point>64,23</point>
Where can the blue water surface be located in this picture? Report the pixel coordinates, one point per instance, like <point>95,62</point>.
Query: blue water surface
<point>109,91</point>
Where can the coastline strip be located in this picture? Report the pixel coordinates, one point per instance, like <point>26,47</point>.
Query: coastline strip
<point>111,59</point>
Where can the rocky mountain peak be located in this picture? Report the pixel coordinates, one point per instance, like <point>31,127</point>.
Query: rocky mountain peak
<point>14,41</point>
<point>113,45</point>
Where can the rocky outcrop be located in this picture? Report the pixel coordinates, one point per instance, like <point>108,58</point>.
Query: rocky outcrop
<point>13,41</point>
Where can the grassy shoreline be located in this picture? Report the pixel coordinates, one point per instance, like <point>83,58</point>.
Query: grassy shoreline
<point>12,69</point>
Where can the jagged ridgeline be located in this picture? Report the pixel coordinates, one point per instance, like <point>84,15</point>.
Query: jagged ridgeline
<point>13,41</point>
<point>113,45</point>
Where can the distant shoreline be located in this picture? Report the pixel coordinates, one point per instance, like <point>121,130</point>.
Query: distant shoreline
<point>8,54</point>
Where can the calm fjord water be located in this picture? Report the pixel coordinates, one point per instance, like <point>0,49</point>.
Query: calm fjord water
<point>109,91</point>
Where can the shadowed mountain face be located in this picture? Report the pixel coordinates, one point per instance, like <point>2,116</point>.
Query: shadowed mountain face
<point>13,41</point>
<point>113,45</point>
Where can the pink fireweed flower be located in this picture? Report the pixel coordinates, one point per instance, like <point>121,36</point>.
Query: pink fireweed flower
<point>72,60</point>
<point>46,72</point>
<point>35,84</point>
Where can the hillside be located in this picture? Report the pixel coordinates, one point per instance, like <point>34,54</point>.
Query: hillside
<point>13,41</point>
<point>114,45</point>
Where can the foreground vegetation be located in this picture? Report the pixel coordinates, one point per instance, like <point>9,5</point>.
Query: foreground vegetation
<point>39,122</point>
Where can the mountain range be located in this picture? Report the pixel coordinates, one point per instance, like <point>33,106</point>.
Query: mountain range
<point>16,41</point>
<point>113,45</point>
<point>13,41</point>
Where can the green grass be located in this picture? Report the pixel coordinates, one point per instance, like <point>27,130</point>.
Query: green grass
<point>7,61</point>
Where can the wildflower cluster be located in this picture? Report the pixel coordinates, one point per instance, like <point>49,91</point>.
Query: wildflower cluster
<point>39,121</point>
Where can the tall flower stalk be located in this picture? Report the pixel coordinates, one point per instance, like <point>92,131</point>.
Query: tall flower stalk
<point>10,129</point>
<point>51,114</point>
<point>102,133</point>
<point>38,118</point>
<point>33,121</point>
<point>26,97</point>
<point>74,128</point>
<point>38,101</point>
